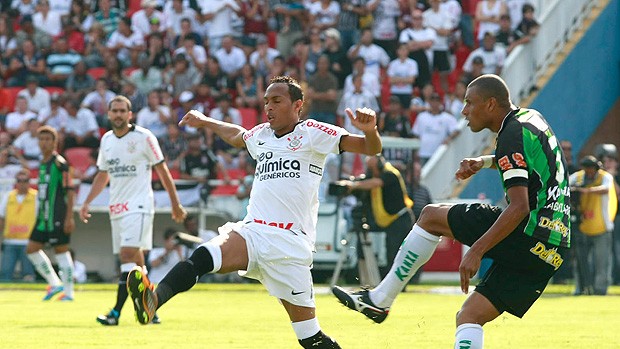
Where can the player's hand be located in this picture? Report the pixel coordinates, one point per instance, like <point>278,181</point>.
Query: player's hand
<point>468,268</point>
<point>69,225</point>
<point>178,213</point>
<point>194,118</point>
<point>468,167</point>
<point>364,119</point>
<point>84,214</point>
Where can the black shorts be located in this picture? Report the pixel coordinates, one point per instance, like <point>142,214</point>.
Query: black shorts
<point>522,265</point>
<point>441,61</point>
<point>55,238</point>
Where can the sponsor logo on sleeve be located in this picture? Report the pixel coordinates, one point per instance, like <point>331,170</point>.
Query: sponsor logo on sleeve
<point>323,127</point>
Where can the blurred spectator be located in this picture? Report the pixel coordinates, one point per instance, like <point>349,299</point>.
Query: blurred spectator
<point>348,21</point>
<point>609,159</point>
<point>506,36</point>
<point>146,78</point>
<point>419,193</point>
<point>175,13</point>
<point>80,16</point>
<point>203,98</point>
<point>216,78</point>
<point>196,54</point>
<point>75,38</point>
<point>249,89</point>
<point>528,27</point>
<point>374,55</point>
<point>135,96</point>
<point>370,81</point>
<point>323,14</point>
<point>141,20</point>
<point>173,145</point>
<point>81,129</point>
<point>422,102</point>
<point>60,63</point>
<point>419,40</point>
<point>182,77</point>
<point>79,269</point>
<point>339,63</point>
<point>126,43</point>
<point>27,144</point>
<point>358,98</point>
<point>385,15</point>
<point>477,67</point>
<point>154,116</point>
<point>199,164</point>
<point>113,74</point>
<point>56,116</point>
<point>255,15</point>
<point>47,20</point>
<point>225,109</point>
<point>187,30</point>
<point>315,50</point>
<point>262,58</point>
<point>297,58</point>
<point>163,259</point>
<point>290,17</point>
<point>89,173</point>
<point>8,44</point>
<point>24,7</point>
<point>402,73</point>
<point>219,15</point>
<point>394,121</point>
<point>158,56</point>
<point>15,122</point>
<point>493,56</point>
<point>96,51</point>
<point>7,169</point>
<point>18,210</point>
<point>187,102</point>
<point>442,24</point>
<point>27,31</point>
<point>79,83</point>
<point>515,11</point>
<point>231,57</point>
<point>453,102</point>
<point>488,13</point>
<point>97,100</point>
<point>108,16</point>
<point>434,128</point>
<point>245,187</point>
<point>323,93</point>
<point>567,150</point>
<point>24,63</point>
<point>37,97</point>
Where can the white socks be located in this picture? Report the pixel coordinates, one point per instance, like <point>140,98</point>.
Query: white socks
<point>416,250</point>
<point>67,269</point>
<point>469,336</point>
<point>306,329</point>
<point>44,267</point>
<point>126,267</point>
<point>216,255</point>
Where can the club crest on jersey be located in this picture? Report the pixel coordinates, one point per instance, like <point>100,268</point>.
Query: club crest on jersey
<point>294,142</point>
<point>131,146</point>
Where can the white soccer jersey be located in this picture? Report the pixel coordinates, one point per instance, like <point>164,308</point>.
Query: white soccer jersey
<point>288,173</point>
<point>129,161</point>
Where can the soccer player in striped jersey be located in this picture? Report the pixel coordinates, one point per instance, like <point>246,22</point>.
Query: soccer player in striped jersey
<point>527,240</point>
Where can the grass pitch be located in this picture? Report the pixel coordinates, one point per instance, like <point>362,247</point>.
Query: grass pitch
<point>245,316</point>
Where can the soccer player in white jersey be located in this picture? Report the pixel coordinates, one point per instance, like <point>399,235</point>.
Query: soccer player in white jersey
<point>127,155</point>
<point>275,241</point>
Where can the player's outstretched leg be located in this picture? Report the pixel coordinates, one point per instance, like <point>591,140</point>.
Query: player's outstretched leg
<point>360,301</point>
<point>142,295</point>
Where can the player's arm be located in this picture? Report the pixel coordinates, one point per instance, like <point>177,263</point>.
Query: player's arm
<point>365,120</point>
<point>99,182</point>
<point>507,222</point>
<point>178,212</point>
<point>470,166</point>
<point>230,133</point>
<point>67,180</point>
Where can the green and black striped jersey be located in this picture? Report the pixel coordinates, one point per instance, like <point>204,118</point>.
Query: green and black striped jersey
<point>53,185</point>
<point>528,154</point>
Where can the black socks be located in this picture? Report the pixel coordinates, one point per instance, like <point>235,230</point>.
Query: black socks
<point>319,341</point>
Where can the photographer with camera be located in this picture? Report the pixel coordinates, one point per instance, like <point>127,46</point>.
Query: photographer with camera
<point>389,203</point>
<point>162,259</point>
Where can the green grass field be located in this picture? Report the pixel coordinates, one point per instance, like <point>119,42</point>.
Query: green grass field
<point>245,316</point>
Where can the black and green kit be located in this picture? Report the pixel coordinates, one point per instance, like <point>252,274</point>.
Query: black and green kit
<point>53,186</point>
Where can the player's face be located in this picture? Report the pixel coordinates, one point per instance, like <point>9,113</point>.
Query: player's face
<point>282,113</point>
<point>47,143</point>
<point>475,110</point>
<point>119,115</point>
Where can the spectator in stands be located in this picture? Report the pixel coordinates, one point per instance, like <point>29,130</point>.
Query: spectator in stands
<point>27,31</point>
<point>323,14</point>
<point>80,16</point>
<point>27,144</point>
<point>434,128</point>
<point>8,44</point>
<point>79,83</point>
<point>245,186</point>
<point>60,63</point>
<point>315,50</point>
<point>147,77</point>
<point>108,16</point>
<point>442,23</point>
<point>231,57</point>
<point>262,58</point>
<point>182,77</point>
<point>16,121</point>
<point>79,269</point>
<point>37,97</point>
<point>216,78</point>
<point>493,56</point>
<point>348,21</point>
<point>175,13</point>
<point>385,15</point>
<point>47,20</point>
<point>506,36</point>
<point>370,81</point>
<point>528,27</point>
<point>7,169</point>
<point>81,129</point>
<point>135,96</point>
<point>402,73</point>
<point>373,54</point>
<point>255,14</point>
<point>56,116</point>
<point>249,89</point>
<point>187,30</point>
<point>199,164</point>
<point>225,109</point>
<point>358,98</point>
<point>515,11</point>
<point>163,259</point>
<point>18,211</point>
<point>420,40</point>
<point>277,68</point>
<point>141,19</point>
<point>195,53</point>
<point>173,145</point>
<point>204,98</point>
<point>75,38</point>
<point>453,101</point>
<point>477,66</point>
<point>96,51</point>
<point>339,63</point>
<point>422,102</point>
<point>609,160</point>
<point>126,44</point>
<point>187,102</point>
<point>25,62</point>
<point>113,74</point>
<point>88,174</point>
<point>394,121</point>
<point>298,58</point>
<point>154,116</point>
<point>97,100</point>
<point>158,55</point>
<point>24,7</point>
<point>323,93</point>
<point>289,23</point>
<point>488,13</point>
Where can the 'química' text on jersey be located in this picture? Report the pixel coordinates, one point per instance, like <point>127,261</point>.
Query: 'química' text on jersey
<point>53,185</point>
<point>528,153</point>
<point>129,160</point>
<point>288,173</point>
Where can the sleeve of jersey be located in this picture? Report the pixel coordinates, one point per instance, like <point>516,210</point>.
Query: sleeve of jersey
<point>153,151</point>
<point>510,158</point>
<point>249,137</point>
<point>325,138</point>
<point>102,164</point>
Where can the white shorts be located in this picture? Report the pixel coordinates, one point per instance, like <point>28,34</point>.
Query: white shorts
<point>132,230</point>
<point>280,259</point>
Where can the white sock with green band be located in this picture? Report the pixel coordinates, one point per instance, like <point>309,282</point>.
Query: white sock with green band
<point>67,269</point>
<point>43,265</point>
<point>469,336</point>
<point>416,250</point>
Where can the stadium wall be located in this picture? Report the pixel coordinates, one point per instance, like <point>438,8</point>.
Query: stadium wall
<point>578,96</point>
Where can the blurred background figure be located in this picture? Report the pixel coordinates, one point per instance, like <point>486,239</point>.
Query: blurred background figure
<point>80,274</point>
<point>162,259</point>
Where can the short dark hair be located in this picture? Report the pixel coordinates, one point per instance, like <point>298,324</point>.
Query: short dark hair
<point>492,86</point>
<point>122,99</point>
<point>294,89</point>
<point>169,232</point>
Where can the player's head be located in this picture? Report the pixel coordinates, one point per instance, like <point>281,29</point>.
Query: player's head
<point>487,101</point>
<point>119,112</point>
<point>284,99</point>
<point>48,138</point>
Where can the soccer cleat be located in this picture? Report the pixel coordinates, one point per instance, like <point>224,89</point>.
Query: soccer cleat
<point>156,320</point>
<point>360,302</point>
<point>64,298</point>
<point>142,295</point>
<point>111,319</point>
<point>51,292</point>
